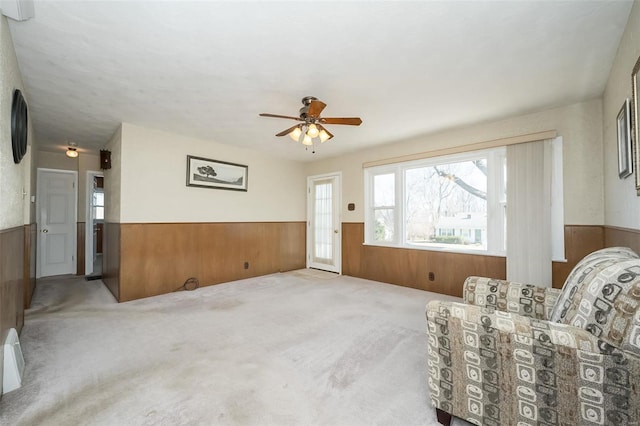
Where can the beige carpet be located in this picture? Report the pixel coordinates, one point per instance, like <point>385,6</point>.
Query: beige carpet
<point>298,348</point>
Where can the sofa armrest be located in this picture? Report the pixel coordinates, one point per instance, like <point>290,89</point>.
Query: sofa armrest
<point>509,296</point>
<point>497,368</point>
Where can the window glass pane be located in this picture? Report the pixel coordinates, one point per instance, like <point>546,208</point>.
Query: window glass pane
<point>384,190</point>
<point>323,229</point>
<point>446,205</point>
<point>98,199</point>
<point>384,225</point>
<point>98,213</point>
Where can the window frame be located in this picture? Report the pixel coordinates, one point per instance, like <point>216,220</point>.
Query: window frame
<point>496,201</point>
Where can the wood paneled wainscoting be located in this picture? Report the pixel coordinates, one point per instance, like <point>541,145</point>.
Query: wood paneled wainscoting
<point>12,254</point>
<point>411,268</point>
<point>579,241</point>
<point>147,259</point>
<point>81,235</point>
<point>622,237</point>
<point>29,267</point>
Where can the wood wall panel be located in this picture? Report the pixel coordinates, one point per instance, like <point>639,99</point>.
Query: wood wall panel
<point>157,258</point>
<point>293,242</point>
<point>411,267</point>
<point>81,231</point>
<point>579,241</point>
<point>622,237</point>
<point>29,263</point>
<point>111,258</point>
<point>11,284</point>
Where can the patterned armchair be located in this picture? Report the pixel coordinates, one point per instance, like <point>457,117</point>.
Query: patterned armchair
<point>517,354</point>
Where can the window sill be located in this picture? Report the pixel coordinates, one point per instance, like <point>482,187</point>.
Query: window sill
<point>436,249</point>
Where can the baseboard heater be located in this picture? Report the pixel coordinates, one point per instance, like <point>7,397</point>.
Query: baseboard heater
<point>13,363</point>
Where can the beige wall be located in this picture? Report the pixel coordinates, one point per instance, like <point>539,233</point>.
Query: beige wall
<point>15,179</point>
<point>113,179</point>
<point>56,160</point>
<point>153,166</point>
<point>86,163</point>
<point>622,205</point>
<point>578,124</point>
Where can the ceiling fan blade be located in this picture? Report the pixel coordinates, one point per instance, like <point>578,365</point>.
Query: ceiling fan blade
<point>351,121</point>
<point>321,128</point>
<point>289,130</point>
<point>315,108</point>
<point>264,114</point>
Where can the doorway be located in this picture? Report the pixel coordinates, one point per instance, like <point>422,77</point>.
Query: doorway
<point>56,207</point>
<point>94,225</point>
<point>324,239</point>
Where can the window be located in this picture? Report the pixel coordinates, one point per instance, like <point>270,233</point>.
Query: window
<point>454,203</point>
<point>98,205</point>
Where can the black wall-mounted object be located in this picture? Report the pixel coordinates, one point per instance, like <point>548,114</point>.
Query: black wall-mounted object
<point>351,207</point>
<point>105,159</point>
<point>19,121</point>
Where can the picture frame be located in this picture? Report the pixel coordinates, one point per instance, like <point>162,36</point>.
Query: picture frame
<point>625,151</point>
<point>634,122</point>
<point>208,173</point>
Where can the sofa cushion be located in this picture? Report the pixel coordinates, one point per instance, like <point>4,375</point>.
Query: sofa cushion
<point>585,271</point>
<point>607,303</point>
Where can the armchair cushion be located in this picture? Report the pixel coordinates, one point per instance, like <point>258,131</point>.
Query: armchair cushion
<point>508,296</point>
<point>499,368</point>
<point>586,270</point>
<point>607,304</point>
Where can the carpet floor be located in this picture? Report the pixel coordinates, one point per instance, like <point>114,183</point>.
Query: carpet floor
<point>297,348</point>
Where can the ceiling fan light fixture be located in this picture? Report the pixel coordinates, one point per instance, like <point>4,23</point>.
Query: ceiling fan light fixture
<point>313,131</point>
<point>324,136</point>
<point>295,134</point>
<point>72,150</point>
<point>311,125</point>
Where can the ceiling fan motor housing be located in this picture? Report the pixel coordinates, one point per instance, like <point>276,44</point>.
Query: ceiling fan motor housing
<point>306,101</point>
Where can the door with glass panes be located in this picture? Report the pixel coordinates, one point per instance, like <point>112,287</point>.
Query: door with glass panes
<point>323,221</point>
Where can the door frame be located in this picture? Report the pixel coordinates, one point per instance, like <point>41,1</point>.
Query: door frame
<point>338,216</point>
<point>74,219</point>
<point>88,244</point>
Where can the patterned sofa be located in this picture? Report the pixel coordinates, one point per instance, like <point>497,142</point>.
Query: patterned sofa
<point>517,354</point>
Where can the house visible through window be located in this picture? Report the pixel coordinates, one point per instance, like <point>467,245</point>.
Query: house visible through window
<point>453,203</point>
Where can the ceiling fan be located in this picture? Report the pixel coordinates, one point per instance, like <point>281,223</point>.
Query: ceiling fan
<point>312,124</point>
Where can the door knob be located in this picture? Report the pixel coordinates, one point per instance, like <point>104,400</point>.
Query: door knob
<point>45,231</point>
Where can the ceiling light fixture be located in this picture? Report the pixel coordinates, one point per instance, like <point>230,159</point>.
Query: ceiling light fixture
<point>72,150</point>
<point>306,134</point>
<point>312,124</point>
<point>295,133</point>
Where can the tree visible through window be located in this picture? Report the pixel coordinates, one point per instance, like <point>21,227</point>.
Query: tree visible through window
<point>447,204</point>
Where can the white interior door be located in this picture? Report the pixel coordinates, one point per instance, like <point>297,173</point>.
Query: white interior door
<point>324,239</point>
<point>57,200</point>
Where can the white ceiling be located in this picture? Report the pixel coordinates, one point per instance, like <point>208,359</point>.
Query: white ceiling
<point>207,69</point>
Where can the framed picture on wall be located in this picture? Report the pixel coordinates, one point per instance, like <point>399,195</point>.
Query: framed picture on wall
<point>207,173</point>
<point>625,152</point>
<point>634,122</point>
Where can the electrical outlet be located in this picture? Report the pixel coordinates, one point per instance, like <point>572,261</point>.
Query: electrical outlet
<point>432,276</point>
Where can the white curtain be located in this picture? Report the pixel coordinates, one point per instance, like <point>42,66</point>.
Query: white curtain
<point>529,242</point>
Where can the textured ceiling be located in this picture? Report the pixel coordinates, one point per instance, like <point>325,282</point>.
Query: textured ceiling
<point>207,69</point>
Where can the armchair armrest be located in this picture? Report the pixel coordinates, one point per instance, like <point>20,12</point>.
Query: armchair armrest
<point>509,296</point>
<point>497,368</point>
